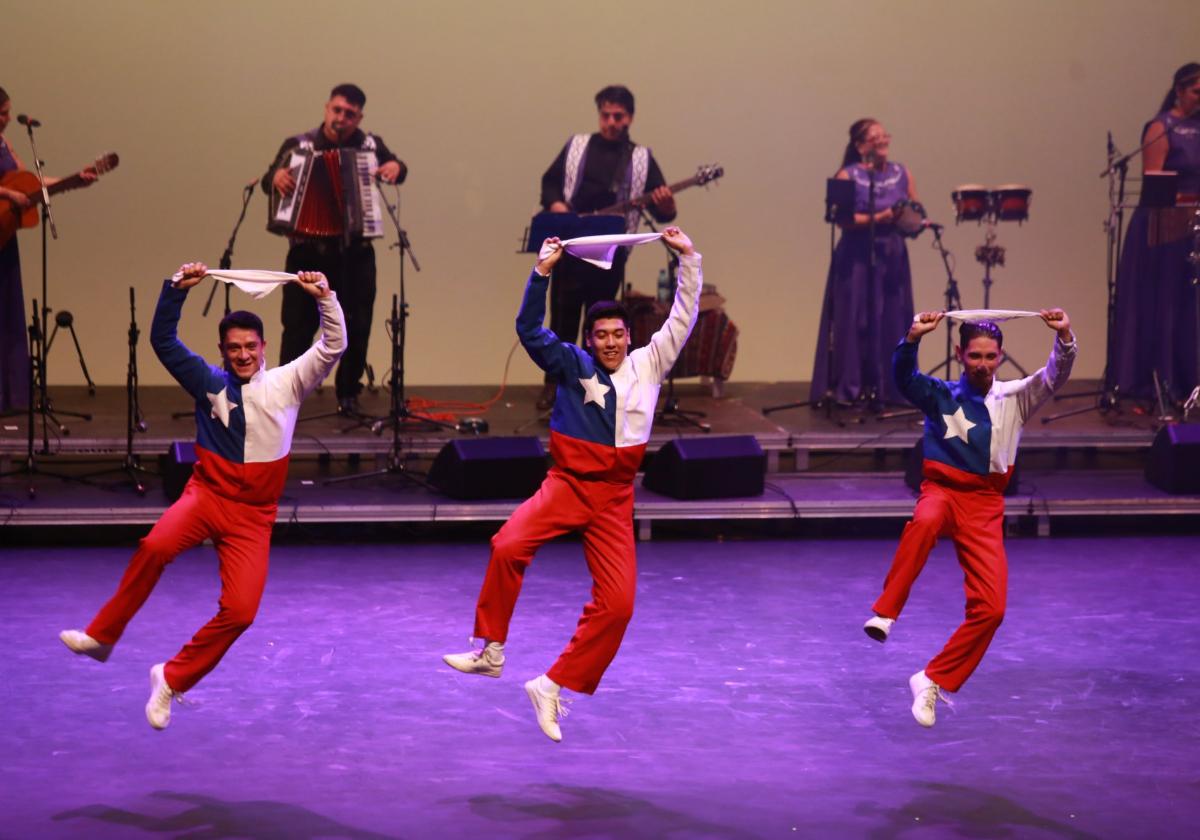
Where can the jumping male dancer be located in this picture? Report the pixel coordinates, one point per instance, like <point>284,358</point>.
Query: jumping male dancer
<point>972,429</point>
<point>598,431</point>
<point>245,415</point>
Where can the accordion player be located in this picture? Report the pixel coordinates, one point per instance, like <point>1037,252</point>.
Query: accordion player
<point>335,195</point>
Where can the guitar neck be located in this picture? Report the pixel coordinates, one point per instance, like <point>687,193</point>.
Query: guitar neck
<point>644,198</point>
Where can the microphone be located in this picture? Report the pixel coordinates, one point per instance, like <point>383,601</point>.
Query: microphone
<point>25,119</point>
<point>933,225</point>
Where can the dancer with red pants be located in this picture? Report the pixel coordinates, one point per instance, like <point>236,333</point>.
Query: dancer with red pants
<point>245,416</point>
<point>601,422</point>
<point>972,430</point>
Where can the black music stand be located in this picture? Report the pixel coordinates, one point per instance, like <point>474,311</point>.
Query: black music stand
<point>839,209</point>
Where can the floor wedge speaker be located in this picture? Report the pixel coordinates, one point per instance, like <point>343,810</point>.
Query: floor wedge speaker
<point>489,468</point>
<point>708,468</point>
<point>1174,460</point>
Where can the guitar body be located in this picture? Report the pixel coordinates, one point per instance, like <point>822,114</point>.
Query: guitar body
<point>11,219</point>
<point>24,181</point>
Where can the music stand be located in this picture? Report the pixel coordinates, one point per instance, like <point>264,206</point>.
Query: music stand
<point>839,209</point>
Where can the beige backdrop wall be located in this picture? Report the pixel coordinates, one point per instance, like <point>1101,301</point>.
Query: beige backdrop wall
<point>478,98</point>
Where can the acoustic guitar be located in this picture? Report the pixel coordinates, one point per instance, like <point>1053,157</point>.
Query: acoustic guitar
<point>12,217</point>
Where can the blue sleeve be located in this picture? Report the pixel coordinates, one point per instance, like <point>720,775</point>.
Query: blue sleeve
<point>918,389</point>
<point>542,345</point>
<point>189,370</point>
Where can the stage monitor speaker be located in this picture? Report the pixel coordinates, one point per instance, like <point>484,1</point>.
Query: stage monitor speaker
<point>916,457</point>
<point>708,468</point>
<point>177,468</point>
<point>1173,463</point>
<point>489,468</point>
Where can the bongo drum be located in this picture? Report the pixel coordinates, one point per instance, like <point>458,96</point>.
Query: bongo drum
<point>972,203</point>
<point>1010,202</point>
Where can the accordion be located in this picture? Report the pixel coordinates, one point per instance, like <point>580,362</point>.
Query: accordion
<point>334,196</point>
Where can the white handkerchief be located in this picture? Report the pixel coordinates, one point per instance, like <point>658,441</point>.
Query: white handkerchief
<point>974,316</point>
<point>255,282</point>
<point>599,250</point>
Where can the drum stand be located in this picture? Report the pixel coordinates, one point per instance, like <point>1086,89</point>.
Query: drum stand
<point>988,255</point>
<point>400,416</point>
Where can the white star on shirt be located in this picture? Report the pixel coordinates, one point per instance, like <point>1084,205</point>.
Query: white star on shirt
<point>221,406</point>
<point>957,425</point>
<point>594,390</point>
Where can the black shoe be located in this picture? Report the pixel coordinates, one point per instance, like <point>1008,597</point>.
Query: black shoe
<point>349,406</point>
<point>545,400</point>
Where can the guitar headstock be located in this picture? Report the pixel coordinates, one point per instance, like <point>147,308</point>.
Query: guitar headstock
<point>105,163</point>
<point>708,172</point>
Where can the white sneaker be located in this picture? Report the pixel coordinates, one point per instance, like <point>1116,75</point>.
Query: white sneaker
<point>80,642</point>
<point>547,705</point>
<point>925,694</point>
<point>489,661</point>
<point>158,707</point>
<point>878,627</point>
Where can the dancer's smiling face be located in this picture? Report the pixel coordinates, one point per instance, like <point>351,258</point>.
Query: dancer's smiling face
<point>244,352</point>
<point>979,359</point>
<point>609,342</point>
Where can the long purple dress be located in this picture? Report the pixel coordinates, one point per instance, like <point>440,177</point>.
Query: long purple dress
<point>1155,317</point>
<point>14,351</point>
<point>869,313</point>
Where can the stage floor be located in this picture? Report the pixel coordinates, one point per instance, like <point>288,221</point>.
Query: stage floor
<point>746,701</point>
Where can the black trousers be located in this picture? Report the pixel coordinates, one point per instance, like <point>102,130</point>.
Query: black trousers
<point>575,285</point>
<point>351,273</point>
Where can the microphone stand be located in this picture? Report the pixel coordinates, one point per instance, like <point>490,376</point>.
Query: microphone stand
<point>134,420</point>
<point>225,264</point>
<point>45,407</point>
<point>399,415</point>
<point>1108,395</point>
<point>953,301</point>
<point>671,412</point>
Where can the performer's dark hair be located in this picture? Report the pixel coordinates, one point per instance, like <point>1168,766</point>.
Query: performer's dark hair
<point>1184,76</point>
<point>987,329</point>
<point>604,309</point>
<point>616,95</point>
<point>858,133</point>
<point>242,319</point>
<point>351,93</point>
<point>3,96</point>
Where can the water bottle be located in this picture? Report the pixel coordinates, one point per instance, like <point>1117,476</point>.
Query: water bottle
<point>664,286</point>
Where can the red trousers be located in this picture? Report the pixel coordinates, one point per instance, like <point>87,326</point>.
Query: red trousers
<point>974,519</point>
<point>242,536</point>
<point>603,512</point>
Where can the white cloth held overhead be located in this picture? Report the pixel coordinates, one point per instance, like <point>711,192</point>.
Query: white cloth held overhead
<point>974,316</point>
<point>257,283</point>
<point>600,250</point>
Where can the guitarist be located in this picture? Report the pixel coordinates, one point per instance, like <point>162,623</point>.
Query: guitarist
<point>14,350</point>
<point>593,172</point>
